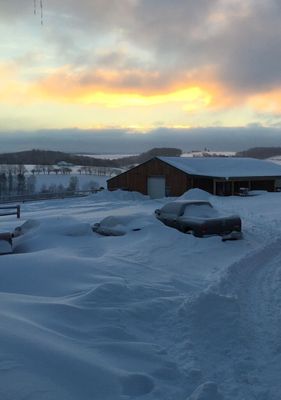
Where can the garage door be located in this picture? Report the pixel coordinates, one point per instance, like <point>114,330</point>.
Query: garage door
<point>156,187</point>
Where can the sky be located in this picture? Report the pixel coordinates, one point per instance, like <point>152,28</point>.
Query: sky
<point>136,67</point>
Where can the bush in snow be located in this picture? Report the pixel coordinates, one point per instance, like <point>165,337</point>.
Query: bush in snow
<point>73,184</point>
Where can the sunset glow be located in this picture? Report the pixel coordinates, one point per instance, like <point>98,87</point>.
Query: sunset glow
<point>139,64</point>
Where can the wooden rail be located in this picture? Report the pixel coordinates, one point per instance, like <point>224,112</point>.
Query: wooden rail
<point>15,210</point>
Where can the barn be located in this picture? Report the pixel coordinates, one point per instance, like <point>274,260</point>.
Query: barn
<point>172,176</point>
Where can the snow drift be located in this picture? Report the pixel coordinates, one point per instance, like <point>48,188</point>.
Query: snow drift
<point>154,314</point>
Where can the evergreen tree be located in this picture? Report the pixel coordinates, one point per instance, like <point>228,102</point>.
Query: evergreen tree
<point>31,184</point>
<point>3,184</point>
<point>21,187</point>
<point>10,183</point>
<point>73,185</point>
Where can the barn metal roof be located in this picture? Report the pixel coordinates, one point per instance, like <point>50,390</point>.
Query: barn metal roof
<point>224,167</point>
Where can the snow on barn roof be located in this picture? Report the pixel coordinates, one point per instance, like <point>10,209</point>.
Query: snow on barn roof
<point>224,167</point>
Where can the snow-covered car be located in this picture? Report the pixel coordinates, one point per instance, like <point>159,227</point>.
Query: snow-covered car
<point>6,243</point>
<point>117,225</point>
<point>25,227</point>
<point>200,218</point>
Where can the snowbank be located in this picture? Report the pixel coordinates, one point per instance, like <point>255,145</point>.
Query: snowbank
<point>154,314</point>
<point>118,195</point>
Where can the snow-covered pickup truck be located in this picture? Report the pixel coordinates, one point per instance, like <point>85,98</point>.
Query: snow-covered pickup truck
<point>200,218</point>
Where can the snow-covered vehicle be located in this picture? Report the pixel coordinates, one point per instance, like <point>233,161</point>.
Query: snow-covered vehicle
<point>200,218</point>
<point>6,243</point>
<point>25,227</point>
<point>6,238</point>
<point>117,225</point>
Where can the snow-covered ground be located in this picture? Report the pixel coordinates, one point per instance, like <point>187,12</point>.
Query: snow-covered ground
<point>155,314</point>
<point>275,159</point>
<point>60,179</point>
<point>198,153</point>
<point>107,156</point>
<point>209,153</point>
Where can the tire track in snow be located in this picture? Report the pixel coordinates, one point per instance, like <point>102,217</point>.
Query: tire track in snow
<point>232,332</point>
<point>256,281</point>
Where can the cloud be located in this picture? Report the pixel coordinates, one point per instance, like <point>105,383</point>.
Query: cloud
<point>248,51</point>
<point>12,89</point>
<point>240,40</point>
<point>227,48</point>
<point>123,141</point>
<point>12,9</point>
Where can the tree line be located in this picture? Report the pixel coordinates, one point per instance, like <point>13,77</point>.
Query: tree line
<point>14,182</point>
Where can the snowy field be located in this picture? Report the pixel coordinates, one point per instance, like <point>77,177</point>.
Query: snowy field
<point>84,180</point>
<point>107,156</point>
<point>155,314</point>
<point>209,153</point>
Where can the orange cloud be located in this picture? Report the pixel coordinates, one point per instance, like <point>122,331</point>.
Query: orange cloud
<point>130,88</point>
<point>191,93</point>
<point>269,102</point>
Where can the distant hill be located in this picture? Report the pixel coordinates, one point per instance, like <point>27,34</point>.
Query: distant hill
<point>47,157</point>
<point>260,152</point>
<point>155,152</point>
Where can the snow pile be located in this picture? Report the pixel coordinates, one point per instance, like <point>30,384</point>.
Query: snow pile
<point>118,195</point>
<point>154,314</point>
<point>195,194</point>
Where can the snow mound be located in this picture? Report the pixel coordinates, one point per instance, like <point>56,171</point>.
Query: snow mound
<point>123,195</point>
<point>78,229</point>
<point>65,226</point>
<point>206,391</point>
<point>195,194</point>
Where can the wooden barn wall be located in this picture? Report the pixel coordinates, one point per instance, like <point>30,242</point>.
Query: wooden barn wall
<point>177,182</point>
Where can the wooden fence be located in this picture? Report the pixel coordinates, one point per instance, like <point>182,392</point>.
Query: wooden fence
<point>10,210</point>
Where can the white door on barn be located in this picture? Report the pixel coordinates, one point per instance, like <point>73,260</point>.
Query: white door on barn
<point>156,187</point>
